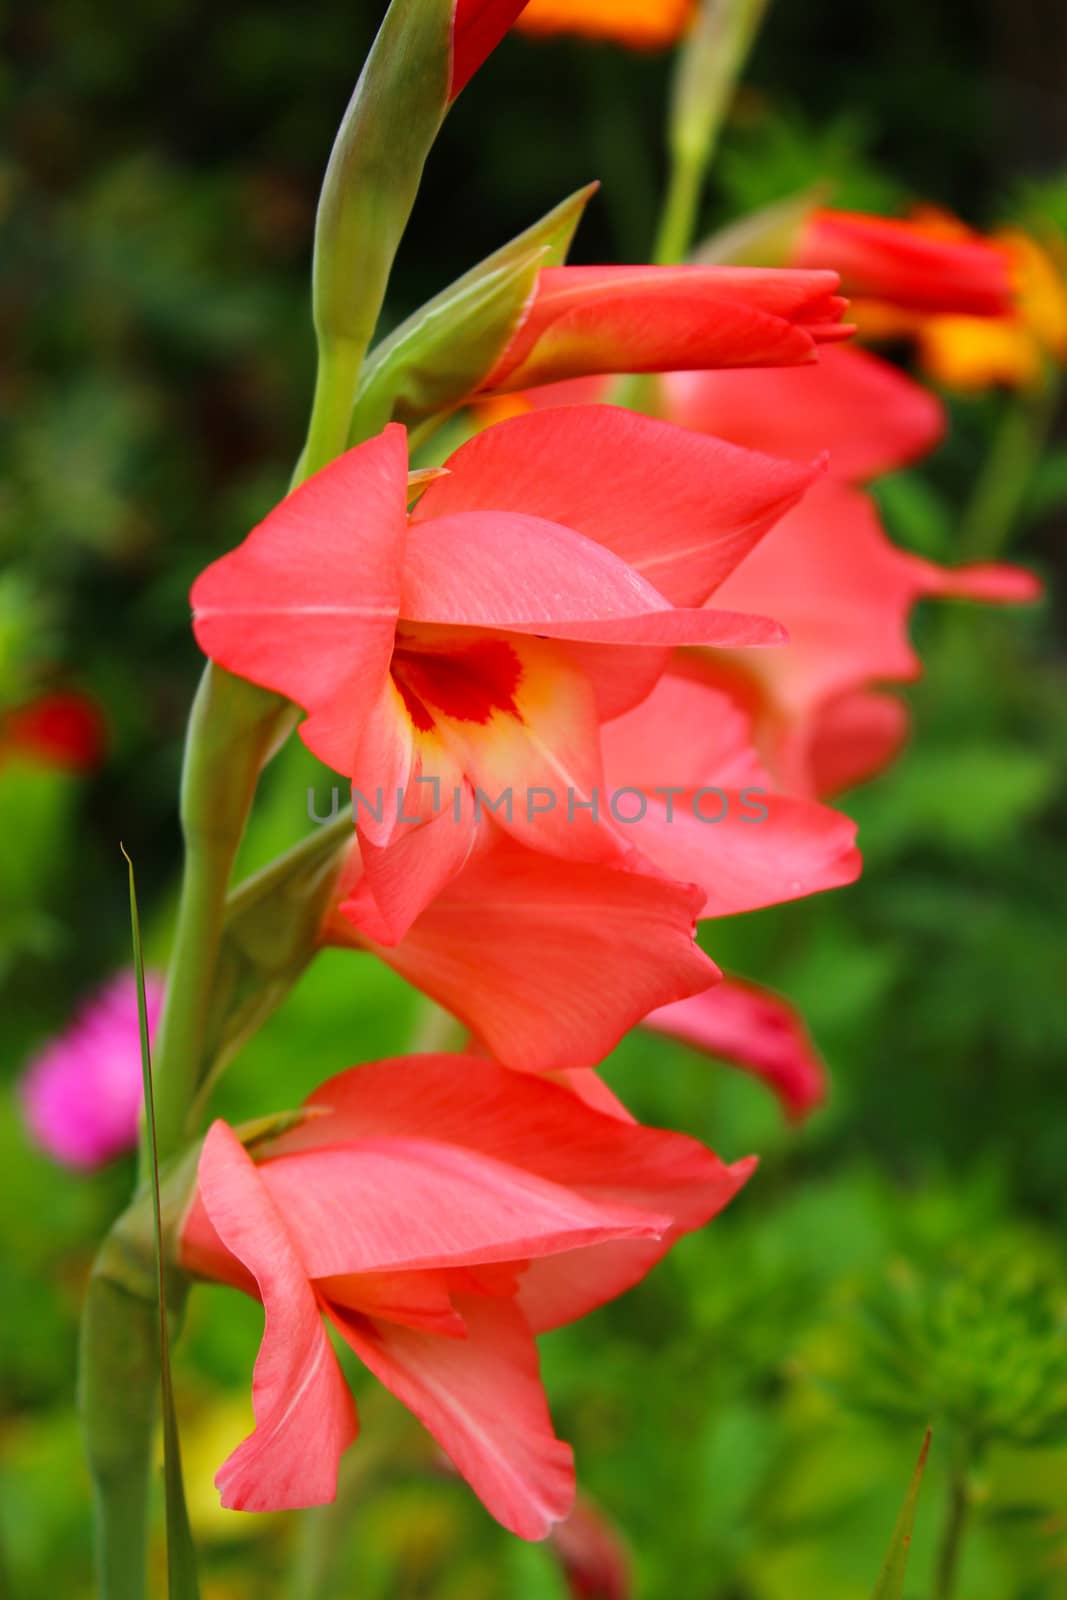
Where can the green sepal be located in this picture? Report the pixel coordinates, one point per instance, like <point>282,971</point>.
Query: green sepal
<point>764,238</point>
<point>443,352</point>
<point>270,934</point>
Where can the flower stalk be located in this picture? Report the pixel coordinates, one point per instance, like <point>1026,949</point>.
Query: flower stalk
<point>708,70</point>
<point>954,1528</point>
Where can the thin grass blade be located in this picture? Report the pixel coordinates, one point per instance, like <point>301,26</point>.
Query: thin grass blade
<point>182,1582</point>
<point>890,1585</point>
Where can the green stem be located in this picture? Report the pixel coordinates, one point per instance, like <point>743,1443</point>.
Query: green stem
<point>232,728</point>
<point>678,219</point>
<point>336,381</point>
<point>954,1527</point>
<point>1005,479</point>
<point>118,1368</point>
<point>708,71</point>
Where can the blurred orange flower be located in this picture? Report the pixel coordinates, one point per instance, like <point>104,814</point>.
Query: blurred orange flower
<point>639,24</point>
<point>978,352</point>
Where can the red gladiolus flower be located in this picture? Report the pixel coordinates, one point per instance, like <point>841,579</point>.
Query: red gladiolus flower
<point>477,28</point>
<point>653,319</point>
<point>439,1212</point>
<point>474,650</point>
<point>63,730</point>
<point>755,1030</point>
<point>908,263</point>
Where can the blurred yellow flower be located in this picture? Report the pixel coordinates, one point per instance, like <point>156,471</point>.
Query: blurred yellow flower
<point>979,352</point>
<point>640,24</point>
<point>208,1435</point>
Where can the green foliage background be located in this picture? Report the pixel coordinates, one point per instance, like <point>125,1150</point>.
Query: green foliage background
<point>750,1417</point>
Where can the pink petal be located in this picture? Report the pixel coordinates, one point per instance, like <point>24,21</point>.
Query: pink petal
<point>400,880</point>
<point>721,826</point>
<point>853,738</point>
<point>907,264</point>
<point>414,1299</point>
<point>655,319</point>
<point>755,1030</point>
<point>687,732</point>
<point>748,848</point>
<point>593,1150</point>
<point>307,605</point>
<point>481,1398</point>
<point>475,1104</point>
<point>550,962</point>
<point>871,417</point>
<point>305,1417</point>
<point>491,569</point>
<point>678,509</point>
<point>993,582</point>
<point>395,1203</point>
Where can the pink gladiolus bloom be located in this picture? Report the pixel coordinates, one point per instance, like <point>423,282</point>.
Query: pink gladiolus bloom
<point>753,1029</point>
<point>538,589</point>
<point>82,1094</point>
<point>441,1214</point>
<point>846,594</point>
<point>827,569</point>
<point>911,264</point>
<point>653,319</point>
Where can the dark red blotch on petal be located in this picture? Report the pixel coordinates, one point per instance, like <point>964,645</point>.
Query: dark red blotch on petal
<point>467,685</point>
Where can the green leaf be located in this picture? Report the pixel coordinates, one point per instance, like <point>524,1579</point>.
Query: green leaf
<point>182,1581</point>
<point>444,351</point>
<point>890,1585</point>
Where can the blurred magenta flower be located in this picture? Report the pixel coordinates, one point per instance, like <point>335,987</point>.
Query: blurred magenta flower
<point>81,1094</point>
